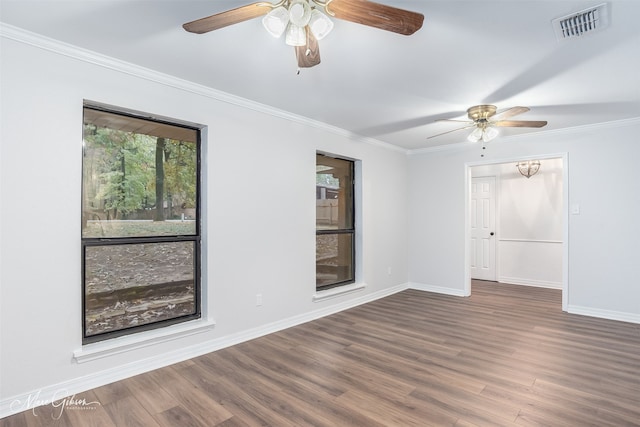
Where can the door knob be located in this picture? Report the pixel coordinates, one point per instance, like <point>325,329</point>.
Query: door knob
<point>491,234</point>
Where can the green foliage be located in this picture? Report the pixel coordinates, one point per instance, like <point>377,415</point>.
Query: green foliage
<point>180,171</point>
<point>120,174</point>
<point>327,179</point>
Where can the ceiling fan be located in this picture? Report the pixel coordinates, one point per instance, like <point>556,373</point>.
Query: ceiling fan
<point>485,120</point>
<point>304,22</point>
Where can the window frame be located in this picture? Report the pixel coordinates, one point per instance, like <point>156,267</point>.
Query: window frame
<point>196,238</point>
<point>342,231</point>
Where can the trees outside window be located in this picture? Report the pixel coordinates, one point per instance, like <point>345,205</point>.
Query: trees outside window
<point>335,228</point>
<point>140,223</point>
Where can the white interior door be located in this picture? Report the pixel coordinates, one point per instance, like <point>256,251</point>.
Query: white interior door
<point>483,225</point>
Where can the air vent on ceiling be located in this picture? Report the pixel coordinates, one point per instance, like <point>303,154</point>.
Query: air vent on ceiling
<point>582,23</point>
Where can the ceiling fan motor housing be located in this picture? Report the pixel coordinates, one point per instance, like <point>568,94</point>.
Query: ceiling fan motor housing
<point>481,113</point>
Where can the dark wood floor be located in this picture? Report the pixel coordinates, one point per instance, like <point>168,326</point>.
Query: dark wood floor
<point>505,356</point>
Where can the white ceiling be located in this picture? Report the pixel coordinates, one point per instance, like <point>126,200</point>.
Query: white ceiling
<point>371,82</point>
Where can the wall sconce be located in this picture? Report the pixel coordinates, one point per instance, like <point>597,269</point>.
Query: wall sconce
<point>528,168</point>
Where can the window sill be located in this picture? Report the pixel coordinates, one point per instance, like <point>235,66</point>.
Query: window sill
<point>338,291</point>
<point>127,343</point>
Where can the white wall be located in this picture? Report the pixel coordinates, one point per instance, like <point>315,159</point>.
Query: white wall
<point>603,269</point>
<point>529,223</point>
<point>271,251</point>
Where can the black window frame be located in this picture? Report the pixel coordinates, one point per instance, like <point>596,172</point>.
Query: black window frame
<point>343,231</point>
<point>196,238</point>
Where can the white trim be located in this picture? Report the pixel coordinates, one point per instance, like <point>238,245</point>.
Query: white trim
<point>498,216</point>
<point>36,40</point>
<point>604,314</point>
<point>565,213</point>
<point>205,310</point>
<point>359,219</point>
<point>437,289</point>
<point>565,232</point>
<point>100,378</point>
<point>337,291</point>
<point>352,302</point>
<point>468,179</point>
<point>502,239</point>
<point>127,343</point>
<point>530,282</point>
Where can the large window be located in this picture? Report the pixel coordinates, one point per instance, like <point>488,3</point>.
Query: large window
<point>335,230</point>
<point>140,223</point>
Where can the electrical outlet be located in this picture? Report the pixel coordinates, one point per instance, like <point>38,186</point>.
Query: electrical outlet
<point>389,271</point>
<point>258,300</point>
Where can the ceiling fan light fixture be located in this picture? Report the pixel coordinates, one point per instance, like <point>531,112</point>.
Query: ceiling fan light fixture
<point>296,35</point>
<point>476,135</point>
<point>489,133</point>
<point>299,12</point>
<point>298,16</point>
<point>483,132</point>
<point>275,22</point>
<point>320,24</point>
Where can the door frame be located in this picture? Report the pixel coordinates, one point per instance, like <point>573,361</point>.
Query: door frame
<point>565,216</point>
<point>496,213</point>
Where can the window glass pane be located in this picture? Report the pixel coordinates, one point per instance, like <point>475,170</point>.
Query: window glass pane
<point>334,193</point>
<point>334,259</point>
<point>139,177</point>
<point>135,284</point>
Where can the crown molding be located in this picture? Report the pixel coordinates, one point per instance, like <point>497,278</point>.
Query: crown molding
<point>36,40</point>
<point>39,41</point>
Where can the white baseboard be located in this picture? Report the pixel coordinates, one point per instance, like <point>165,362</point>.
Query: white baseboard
<point>604,314</point>
<point>530,282</point>
<point>48,394</point>
<point>437,289</point>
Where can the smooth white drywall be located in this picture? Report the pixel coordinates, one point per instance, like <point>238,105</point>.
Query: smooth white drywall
<point>259,212</point>
<point>528,223</point>
<point>412,220</point>
<point>602,180</point>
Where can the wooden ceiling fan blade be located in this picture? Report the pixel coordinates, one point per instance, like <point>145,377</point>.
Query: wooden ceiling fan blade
<point>510,112</point>
<point>309,54</point>
<point>455,130</point>
<point>376,15</point>
<point>520,123</point>
<point>230,17</point>
<point>453,120</point>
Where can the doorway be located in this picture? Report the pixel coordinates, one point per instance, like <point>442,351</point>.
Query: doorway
<point>482,220</point>
<point>517,227</point>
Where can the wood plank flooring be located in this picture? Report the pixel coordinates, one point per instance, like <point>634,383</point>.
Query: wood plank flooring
<point>506,356</point>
